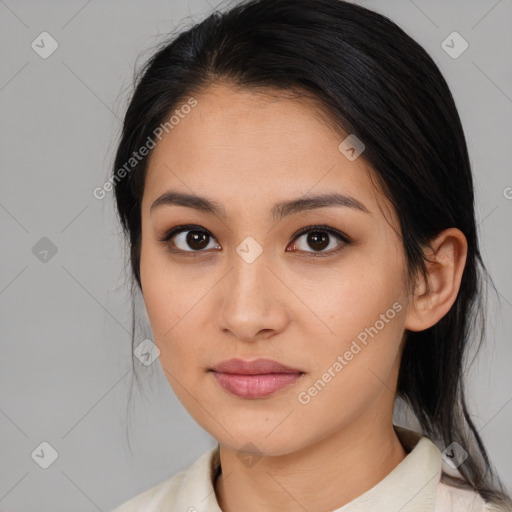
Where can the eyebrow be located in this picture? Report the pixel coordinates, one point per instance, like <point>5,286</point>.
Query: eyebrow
<point>279,210</point>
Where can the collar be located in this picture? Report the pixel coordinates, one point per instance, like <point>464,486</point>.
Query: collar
<point>410,487</point>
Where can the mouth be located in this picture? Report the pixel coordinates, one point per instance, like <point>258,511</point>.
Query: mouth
<point>255,379</point>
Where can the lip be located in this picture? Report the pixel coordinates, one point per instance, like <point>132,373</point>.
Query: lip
<point>255,379</point>
<point>254,367</point>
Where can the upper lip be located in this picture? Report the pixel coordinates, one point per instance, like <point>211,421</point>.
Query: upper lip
<point>254,367</point>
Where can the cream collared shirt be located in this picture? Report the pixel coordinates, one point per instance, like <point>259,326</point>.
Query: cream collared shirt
<point>413,486</point>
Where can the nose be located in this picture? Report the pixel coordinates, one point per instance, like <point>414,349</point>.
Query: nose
<point>253,306</point>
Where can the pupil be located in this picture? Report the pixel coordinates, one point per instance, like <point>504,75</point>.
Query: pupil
<point>196,239</point>
<point>318,238</point>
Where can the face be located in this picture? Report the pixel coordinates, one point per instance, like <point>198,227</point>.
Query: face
<point>319,288</point>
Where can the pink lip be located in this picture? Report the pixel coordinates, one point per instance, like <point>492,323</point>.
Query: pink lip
<point>254,379</point>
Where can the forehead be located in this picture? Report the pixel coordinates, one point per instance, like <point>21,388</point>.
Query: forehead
<point>238,145</point>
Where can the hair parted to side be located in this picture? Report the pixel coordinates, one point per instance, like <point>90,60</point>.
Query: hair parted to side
<point>379,84</point>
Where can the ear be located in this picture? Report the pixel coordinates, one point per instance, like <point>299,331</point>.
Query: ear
<point>433,297</point>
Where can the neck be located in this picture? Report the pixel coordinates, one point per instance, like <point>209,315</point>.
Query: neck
<point>343,466</point>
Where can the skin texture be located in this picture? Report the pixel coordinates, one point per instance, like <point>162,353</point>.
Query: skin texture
<point>248,151</point>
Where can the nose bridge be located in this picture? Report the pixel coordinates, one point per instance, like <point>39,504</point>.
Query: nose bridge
<point>250,302</point>
<point>249,273</point>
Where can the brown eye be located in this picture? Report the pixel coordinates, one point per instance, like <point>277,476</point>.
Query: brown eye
<point>189,239</point>
<point>197,240</point>
<point>319,239</point>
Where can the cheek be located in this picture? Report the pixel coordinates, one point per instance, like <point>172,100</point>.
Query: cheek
<point>173,297</point>
<point>353,366</point>
<point>365,310</point>
<point>161,295</point>
<point>358,294</point>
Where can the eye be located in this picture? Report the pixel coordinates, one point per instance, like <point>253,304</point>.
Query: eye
<point>194,239</point>
<point>188,237</point>
<point>320,238</point>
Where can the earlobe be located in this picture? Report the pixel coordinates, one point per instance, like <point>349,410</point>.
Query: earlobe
<point>433,297</point>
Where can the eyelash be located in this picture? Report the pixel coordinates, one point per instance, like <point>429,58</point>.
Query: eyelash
<point>314,228</point>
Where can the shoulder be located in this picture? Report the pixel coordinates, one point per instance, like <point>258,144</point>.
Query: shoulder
<point>146,499</point>
<point>190,486</point>
<point>454,499</point>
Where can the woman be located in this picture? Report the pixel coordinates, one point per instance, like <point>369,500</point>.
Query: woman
<point>294,182</point>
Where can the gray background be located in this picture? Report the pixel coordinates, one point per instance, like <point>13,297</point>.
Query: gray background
<point>65,364</point>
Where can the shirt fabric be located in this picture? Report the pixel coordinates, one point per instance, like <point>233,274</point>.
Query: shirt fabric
<point>414,485</point>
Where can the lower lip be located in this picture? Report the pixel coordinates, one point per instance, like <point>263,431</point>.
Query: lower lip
<point>256,386</point>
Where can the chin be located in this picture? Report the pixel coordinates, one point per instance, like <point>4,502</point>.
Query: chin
<point>259,443</point>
